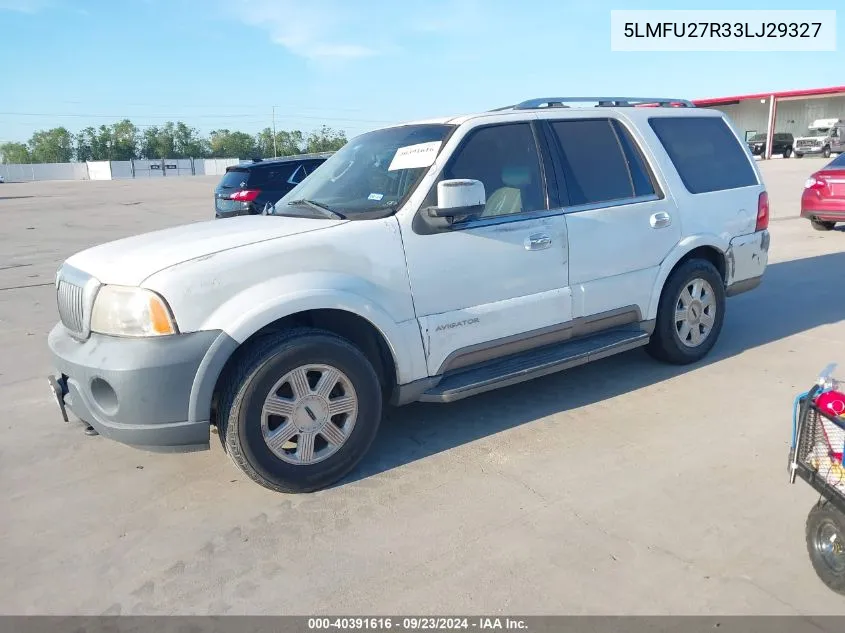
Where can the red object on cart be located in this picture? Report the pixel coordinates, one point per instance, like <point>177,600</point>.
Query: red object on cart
<point>831,402</point>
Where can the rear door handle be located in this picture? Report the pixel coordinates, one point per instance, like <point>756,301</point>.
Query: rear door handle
<point>660,220</point>
<point>537,242</point>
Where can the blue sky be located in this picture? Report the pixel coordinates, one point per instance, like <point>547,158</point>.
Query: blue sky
<point>351,64</point>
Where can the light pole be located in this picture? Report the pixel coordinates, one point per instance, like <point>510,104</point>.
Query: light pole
<point>275,152</point>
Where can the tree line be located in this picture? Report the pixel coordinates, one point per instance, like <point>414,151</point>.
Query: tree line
<point>125,141</point>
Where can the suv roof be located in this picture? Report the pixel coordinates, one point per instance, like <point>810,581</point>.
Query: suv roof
<point>563,103</point>
<point>258,162</point>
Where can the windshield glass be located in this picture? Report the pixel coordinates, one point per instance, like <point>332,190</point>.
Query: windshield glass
<point>366,174</point>
<point>757,137</point>
<point>819,132</point>
<point>837,163</point>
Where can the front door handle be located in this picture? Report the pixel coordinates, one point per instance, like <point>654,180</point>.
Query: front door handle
<point>660,220</point>
<point>537,242</point>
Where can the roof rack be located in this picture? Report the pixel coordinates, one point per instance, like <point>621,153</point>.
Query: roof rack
<point>600,102</point>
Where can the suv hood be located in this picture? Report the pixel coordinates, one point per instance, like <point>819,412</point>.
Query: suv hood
<point>131,260</point>
<point>810,138</point>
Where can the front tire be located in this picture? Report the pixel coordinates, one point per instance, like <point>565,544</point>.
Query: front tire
<point>826,152</point>
<point>300,410</point>
<point>821,225</point>
<point>824,533</point>
<point>797,155</point>
<point>690,314</point>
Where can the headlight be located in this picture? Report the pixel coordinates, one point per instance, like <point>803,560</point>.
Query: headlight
<point>127,311</point>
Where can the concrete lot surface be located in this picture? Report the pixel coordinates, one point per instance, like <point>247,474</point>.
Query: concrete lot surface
<point>624,487</point>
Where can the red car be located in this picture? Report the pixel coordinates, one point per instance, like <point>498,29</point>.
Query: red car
<point>823,200</point>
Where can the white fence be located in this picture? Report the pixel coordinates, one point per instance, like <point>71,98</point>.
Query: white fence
<point>115,170</point>
<point>44,171</point>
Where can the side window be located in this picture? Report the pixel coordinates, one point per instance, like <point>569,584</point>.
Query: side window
<point>640,174</point>
<point>298,175</point>
<point>834,133</point>
<point>505,159</point>
<point>705,152</point>
<point>276,175</point>
<point>595,163</point>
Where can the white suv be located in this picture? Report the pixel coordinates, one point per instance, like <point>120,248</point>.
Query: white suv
<point>423,262</point>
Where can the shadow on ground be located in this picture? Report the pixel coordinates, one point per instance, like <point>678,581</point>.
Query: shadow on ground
<point>794,297</point>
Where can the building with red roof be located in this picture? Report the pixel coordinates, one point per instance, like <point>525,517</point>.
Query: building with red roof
<point>787,111</point>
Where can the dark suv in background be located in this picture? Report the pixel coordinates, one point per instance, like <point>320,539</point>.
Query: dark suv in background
<point>246,189</point>
<point>781,144</point>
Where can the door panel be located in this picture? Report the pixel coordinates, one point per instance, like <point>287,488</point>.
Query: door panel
<point>620,224</point>
<point>502,273</point>
<point>615,254</point>
<point>479,285</point>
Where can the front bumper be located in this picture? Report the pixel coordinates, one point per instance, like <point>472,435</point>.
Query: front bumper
<point>813,149</point>
<point>747,258</point>
<point>134,391</point>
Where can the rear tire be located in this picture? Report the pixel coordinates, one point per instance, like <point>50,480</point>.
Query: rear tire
<point>821,225</point>
<point>787,152</point>
<point>299,410</point>
<point>690,314</point>
<point>825,530</point>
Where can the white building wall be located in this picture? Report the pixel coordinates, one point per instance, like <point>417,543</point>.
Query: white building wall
<point>792,116</point>
<point>796,116</point>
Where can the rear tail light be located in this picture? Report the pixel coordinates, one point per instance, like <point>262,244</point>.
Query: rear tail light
<point>814,182</point>
<point>762,211</point>
<point>245,195</point>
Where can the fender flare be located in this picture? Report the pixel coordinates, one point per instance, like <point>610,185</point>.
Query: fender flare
<point>681,250</point>
<point>254,320</point>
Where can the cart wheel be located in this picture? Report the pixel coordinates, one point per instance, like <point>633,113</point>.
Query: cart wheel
<point>826,545</point>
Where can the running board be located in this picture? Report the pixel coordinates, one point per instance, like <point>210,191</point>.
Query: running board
<point>533,364</point>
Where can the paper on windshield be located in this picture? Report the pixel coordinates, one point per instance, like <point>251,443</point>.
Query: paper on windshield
<point>414,156</point>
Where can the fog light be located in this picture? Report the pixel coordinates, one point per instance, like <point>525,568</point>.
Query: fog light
<point>104,396</point>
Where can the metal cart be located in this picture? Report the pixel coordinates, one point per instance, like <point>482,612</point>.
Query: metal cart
<point>816,456</point>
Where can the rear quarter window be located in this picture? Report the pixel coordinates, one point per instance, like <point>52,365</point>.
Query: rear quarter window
<point>272,175</point>
<point>705,152</point>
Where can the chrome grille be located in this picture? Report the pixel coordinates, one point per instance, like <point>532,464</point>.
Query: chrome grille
<point>71,306</point>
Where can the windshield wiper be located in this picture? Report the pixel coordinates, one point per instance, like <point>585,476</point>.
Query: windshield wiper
<point>316,206</point>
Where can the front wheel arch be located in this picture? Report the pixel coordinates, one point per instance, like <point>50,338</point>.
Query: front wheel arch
<point>360,332</point>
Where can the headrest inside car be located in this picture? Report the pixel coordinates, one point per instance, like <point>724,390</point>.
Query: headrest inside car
<point>516,176</point>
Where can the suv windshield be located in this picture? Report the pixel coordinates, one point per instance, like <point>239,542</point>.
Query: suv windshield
<point>366,175</point>
<point>819,132</point>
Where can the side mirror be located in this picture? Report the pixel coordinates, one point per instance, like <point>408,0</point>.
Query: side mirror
<point>458,198</point>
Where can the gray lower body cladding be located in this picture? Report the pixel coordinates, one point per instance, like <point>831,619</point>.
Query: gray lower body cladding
<point>151,393</point>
